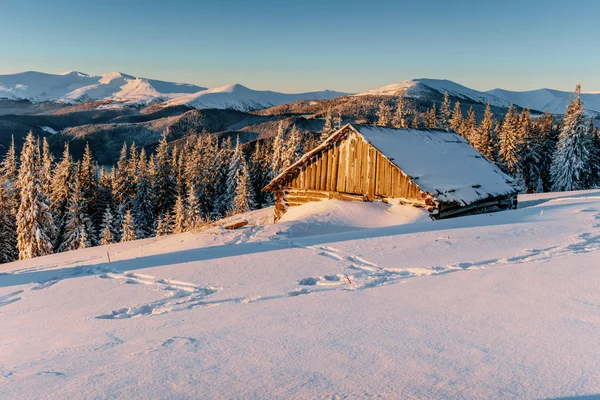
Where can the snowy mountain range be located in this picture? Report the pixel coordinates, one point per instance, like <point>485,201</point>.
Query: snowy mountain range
<point>241,98</point>
<point>76,87</point>
<point>553,101</point>
<point>72,87</point>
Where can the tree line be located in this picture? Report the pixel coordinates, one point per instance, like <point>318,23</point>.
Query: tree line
<point>49,206</point>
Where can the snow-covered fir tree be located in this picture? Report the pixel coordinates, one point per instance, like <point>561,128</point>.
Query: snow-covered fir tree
<point>571,165</point>
<point>529,157</point>
<point>47,168</point>
<point>244,196</point>
<point>469,126</point>
<point>431,121</point>
<point>278,152</point>
<point>108,234</point>
<point>34,219</point>
<point>456,121</point>
<point>510,143</point>
<point>142,207</point>
<point>8,228</point>
<point>259,173</point>
<point>128,228</point>
<point>328,127</point>
<point>399,117</point>
<point>445,112</point>
<point>164,225</point>
<point>337,121</point>
<point>293,148</point>
<point>180,216</point>
<point>193,212</point>
<point>483,140</point>
<point>165,184</point>
<point>384,114</point>
<point>76,218</point>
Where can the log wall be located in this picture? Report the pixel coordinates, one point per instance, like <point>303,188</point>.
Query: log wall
<point>355,167</point>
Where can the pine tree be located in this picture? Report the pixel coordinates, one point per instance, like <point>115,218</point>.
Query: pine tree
<point>9,175</point>
<point>293,147</point>
<point>164,225</point>
<point>445,113</point>
<point>548,138</point>
<point>76,219</point>
<point>456,121</point>
<point>510,143</point>
<point>47,168</point>
<point>34,220</point>
<point>108,235</point>
<point>180,223</point>
<point>193,212</point>
<point>88,178</point>
<point>384,114</point>
<point>483,140</point>
<point>8,228</point>
<point>122,193</point>
<point>278,152</point>
<point>469,126</point>
<point>243,200</point>
<point>571,165</point>
<point>259,173</point>
<point>60,194</point>
<point>529,157</point>
<point>165,188</point>
<point>431,121</point>
<point>328,127</point>
<point>338,120</point>
<point>399,117</point>
<point>128,228</point>
<point>142,208</point>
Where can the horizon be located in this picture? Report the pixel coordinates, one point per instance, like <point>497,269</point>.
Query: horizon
<point>298,48</point>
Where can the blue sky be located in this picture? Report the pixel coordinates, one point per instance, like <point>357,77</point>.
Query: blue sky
<point>308,45</point>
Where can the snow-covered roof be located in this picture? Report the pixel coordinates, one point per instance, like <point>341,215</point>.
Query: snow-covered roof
<point>440,162</point>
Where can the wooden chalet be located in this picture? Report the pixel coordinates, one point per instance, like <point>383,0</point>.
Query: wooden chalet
<point>434,169</point>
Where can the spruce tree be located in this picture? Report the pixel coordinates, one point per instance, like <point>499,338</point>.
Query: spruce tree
<point>128,228</point>
<point>243,200</point>
<point>483,140</point>
<point>8,227</point>
<point>76,220</point>
<point>34,220</point>
<point>293,147</point>
<point>164,225</point>
<point>529,157</point>
<point>259,173</point>
<point>571,165</point>
<point>47,168</point>
<point>328,127</point>
<point>445,112</point>
<point>456,121</point>
<point>165,184</point>
<point>278,152</point>
<point>193,212</point>
<point>179,210</point>
<point>384,114</point>
<point>142,208</point>
<point>399,117</point>
<point>510,143</point>
<point>469,126</point>
<point>431,121</point>
<point>108,235</point>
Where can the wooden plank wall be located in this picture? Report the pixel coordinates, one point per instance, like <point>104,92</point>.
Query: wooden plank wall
<point>354,166</point>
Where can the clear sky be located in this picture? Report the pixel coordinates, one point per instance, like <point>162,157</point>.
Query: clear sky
<point>303,45</point>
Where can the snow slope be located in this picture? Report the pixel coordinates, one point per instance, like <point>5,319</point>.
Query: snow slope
<point>423,88</point>
<point>239,97</point>
<point>504,305</point>
<point>553,101</point>
<point>77,86</point>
